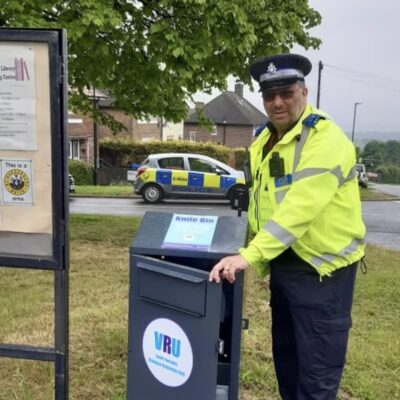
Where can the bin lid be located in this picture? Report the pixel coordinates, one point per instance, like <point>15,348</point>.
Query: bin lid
<point>226,235</point>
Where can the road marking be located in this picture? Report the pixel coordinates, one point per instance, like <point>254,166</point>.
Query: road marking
<point>376,214</point>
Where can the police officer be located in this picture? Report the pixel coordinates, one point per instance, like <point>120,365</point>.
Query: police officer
<point>305,214</point>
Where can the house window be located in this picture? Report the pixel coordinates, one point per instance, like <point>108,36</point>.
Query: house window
<point>75,120</point>
<point>192,136</point>
<point>74,149</point>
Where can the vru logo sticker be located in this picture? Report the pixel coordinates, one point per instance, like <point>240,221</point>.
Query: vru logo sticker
<point>167,344</point>
<point>167,352</point>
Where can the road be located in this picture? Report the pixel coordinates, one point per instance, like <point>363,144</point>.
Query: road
<point>382,218</point>
<point>136,207</point>
<point>386,188</point>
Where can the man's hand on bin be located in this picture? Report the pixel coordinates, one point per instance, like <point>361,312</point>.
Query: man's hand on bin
<point>227,268</point>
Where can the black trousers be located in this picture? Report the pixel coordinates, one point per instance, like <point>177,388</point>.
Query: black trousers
<point>311,319</point>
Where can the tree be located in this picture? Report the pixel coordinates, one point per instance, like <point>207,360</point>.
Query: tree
<point>384,158</point>
<point>393,152</point>
<point>389,174</point>
<point>375,151</point>
<point>155,54</point>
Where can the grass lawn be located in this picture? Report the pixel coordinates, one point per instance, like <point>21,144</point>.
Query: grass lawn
<point>98,325</point>
<point>106,191</point>
<point>372,194</point>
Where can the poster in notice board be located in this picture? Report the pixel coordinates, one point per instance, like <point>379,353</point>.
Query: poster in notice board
<point>26,206</point>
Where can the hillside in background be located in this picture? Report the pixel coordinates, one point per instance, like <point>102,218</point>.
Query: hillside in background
<point>362,138</point>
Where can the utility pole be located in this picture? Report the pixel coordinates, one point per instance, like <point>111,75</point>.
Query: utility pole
<point>161,122</point>
<point>354,120</point>
<point>95,139</point>
<point>224,135</point>
<point>320,67</point>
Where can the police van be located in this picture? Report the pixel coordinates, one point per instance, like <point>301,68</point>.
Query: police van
<point>362,176</point>
<point>186,175</point>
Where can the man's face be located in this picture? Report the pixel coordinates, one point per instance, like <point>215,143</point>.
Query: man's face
<point>284,106</point>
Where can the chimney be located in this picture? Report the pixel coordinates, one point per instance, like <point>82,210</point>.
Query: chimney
<point>198,104</point>
<point>239,89</point>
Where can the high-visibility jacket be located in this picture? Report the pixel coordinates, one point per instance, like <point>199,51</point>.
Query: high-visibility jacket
<point>314,205</point>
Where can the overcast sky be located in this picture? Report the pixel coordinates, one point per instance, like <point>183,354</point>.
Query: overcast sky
<point>361,56</point>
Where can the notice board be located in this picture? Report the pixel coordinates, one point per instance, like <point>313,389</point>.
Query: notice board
<point>33,168</point>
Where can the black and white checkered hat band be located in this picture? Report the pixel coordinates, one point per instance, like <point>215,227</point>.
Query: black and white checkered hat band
<point>281,74</point>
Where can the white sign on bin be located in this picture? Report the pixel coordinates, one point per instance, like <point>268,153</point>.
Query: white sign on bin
<point>167,352</point>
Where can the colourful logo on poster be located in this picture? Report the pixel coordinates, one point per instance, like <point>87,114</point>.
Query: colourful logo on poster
<point>16,182</point>
<point>18,72</point>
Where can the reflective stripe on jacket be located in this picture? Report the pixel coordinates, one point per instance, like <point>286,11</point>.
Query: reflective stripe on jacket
<point>315,207</point>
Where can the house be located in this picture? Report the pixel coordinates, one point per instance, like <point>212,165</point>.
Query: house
<point>83,132</point>
<point>234,120</point>
<point>233,116</point>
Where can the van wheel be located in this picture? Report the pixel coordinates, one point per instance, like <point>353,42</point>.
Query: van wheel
<point>152,193</point>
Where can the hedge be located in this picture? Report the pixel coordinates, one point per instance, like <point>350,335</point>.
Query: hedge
<point>121,152</point>
<point>389,174</point>
<point>81,171</point>
<point>239,155</point>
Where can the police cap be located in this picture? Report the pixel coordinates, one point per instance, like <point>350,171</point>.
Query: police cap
<point>280,70</point>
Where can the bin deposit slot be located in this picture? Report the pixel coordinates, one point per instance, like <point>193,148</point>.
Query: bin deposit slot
<point>172,289</point>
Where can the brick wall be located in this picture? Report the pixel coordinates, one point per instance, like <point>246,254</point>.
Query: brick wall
<point>121,117</point>
<point>146,131</point>
<point>83,131</point>
<point>134,129</point>
<point>235,135</point>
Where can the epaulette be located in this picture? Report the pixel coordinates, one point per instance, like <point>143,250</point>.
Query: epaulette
<point>259,129</point>
<point>312,120</point>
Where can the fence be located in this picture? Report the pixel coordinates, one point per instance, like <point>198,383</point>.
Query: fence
<point>112,176</point>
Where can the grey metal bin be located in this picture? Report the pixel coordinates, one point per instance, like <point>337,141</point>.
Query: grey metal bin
<point>184,332</point>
